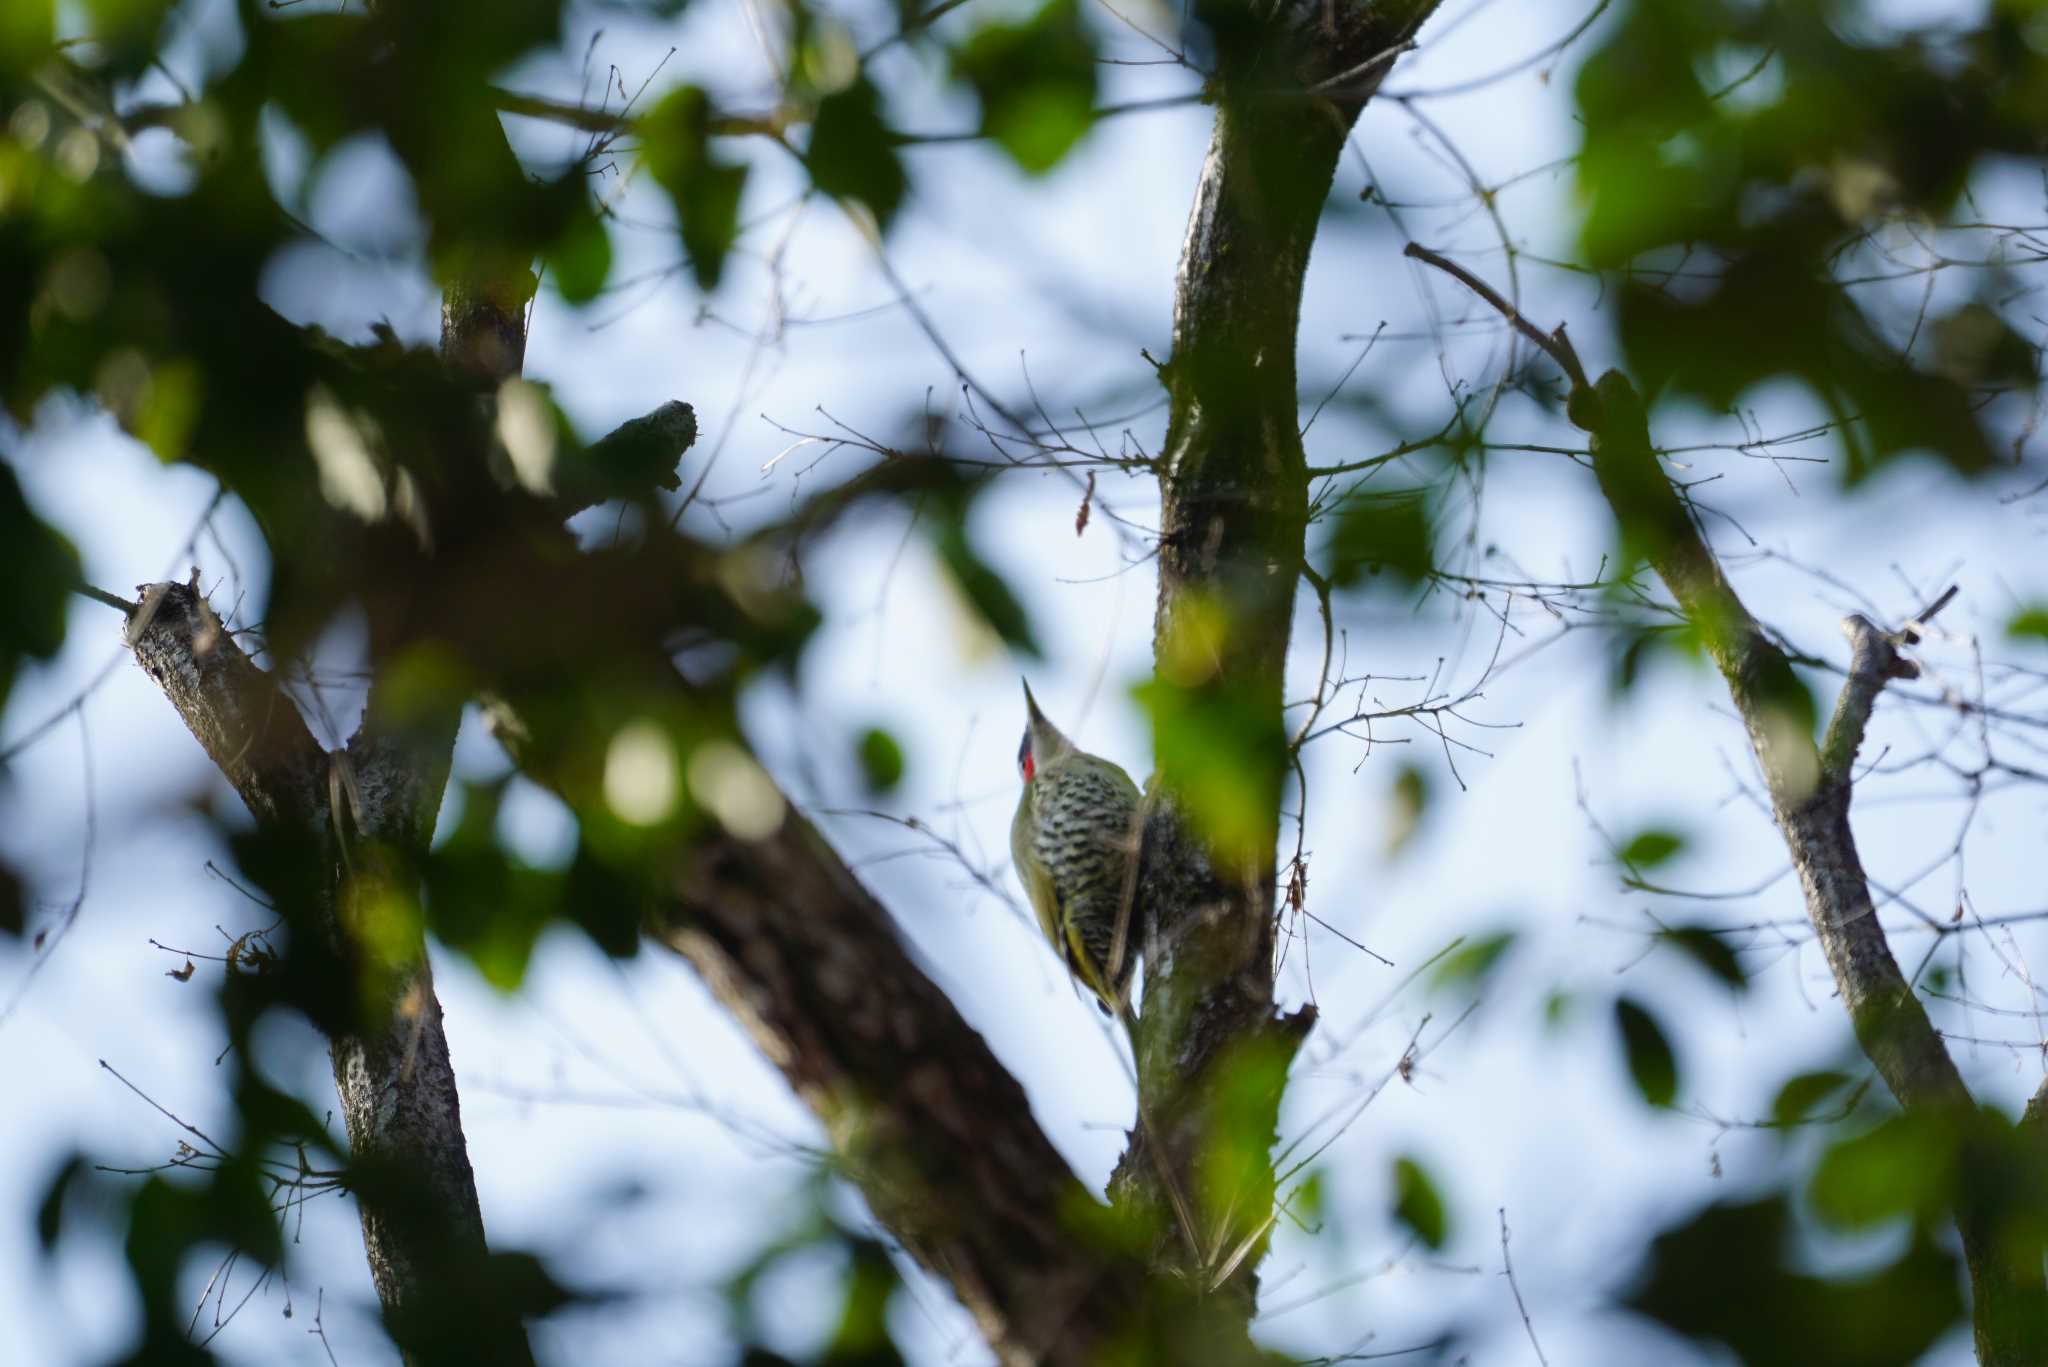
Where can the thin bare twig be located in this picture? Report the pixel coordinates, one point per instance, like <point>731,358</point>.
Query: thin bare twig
<point>1507,1268</point>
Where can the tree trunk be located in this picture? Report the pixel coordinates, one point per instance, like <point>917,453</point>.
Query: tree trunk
<point>365,817</point>
<point>409,1166</point>
<point>1212,1054</point>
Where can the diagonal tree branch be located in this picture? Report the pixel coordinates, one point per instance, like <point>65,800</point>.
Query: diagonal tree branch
<point>1810,790</point>
<point>1810,787</point>
<point>937,1135</point>
<point>922,1118</point>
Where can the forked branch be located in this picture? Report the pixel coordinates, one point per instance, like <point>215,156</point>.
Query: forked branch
<point>1810,786</point>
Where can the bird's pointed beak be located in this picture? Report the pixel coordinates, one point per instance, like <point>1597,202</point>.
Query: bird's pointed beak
<point>1031,702</point>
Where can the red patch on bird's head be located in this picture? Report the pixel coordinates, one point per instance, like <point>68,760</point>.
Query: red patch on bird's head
<point>1024,762</point>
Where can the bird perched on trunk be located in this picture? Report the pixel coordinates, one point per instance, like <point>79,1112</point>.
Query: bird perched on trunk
<point>1075,842</point>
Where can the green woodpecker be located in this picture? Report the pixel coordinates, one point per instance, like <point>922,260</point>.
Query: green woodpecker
<point>1074,839</point>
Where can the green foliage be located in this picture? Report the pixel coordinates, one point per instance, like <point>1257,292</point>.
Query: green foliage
<point>128,31</point>
<point>861,1338</point>
<point>2029,623</point>
<point>1410,801</point>
<point>675,143</point>
<point>1247,1082</point>
<point>40,570</point>
<point>1649,848</point>
<point>853,154</point>
<point>881,760</point>
<point>1729,1275</point>
<point>1472,963</point>
<point>1710,951</point>
<point>1758,184</point>
<point>1381,533</point>
<point>1417,1204</point>
<point>1651,1064</point>
<point>608,901</point>
<point>1309,1199</point>
<point>1802,1095</point>
<point>26,28</point>
<point>73,1171</point>
<point>13,906</point>
<point>1906,1167</point>
<point>1639,648</point>
<point>1036,81</point>
<point>868,1282</point>
<point>1558,1006</point>
<point>984,591</point>
<point>580,260</point>
<point>166,1218</point>
<point>480,899</point>
<point>1223,755</point>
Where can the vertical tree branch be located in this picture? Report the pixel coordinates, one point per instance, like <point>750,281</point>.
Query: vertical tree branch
<point>1212,1054</point>
<point>422,1226</point>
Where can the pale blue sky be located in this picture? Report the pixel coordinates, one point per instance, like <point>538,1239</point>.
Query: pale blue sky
<point>1076,274</point>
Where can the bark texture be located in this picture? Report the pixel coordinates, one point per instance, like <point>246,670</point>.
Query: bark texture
<point>367,815</point>
<point>925,1121</point>
<point>1212,1052</point>
<point>422,1226</point>
<point>1810,787</point>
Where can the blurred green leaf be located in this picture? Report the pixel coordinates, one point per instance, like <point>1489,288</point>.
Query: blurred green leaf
<point>1647,849</point>
<point>481,900</point>
<point>853,154</point>
<point>1036,82</point>
<point>1641,648</point>
<point>881,759</point>
<point>1557,1007</point>
<point>1223,755</point>
<point>1410,802</point>
<point>1246,1081</point>
<point>1904,1167</point>
<point>1761,198</point>
<point>2029,622</point>
<point>13,906</point>
<point>40,569</point>
<point>1710,951</point>
<point>124,32</point>
<point>1803,1093</point>
<point>861,1339</point>
<point>1651,1064</point>
<point>1308,1198</point>
<point>1381,532</point>
<point>580,259</point>
<point>50,1210</point>
<point>984,590</point>
<point>167,1220</point>
<point>675,144</point>
<point>1417,1204</point>
<point>26,30</point>
<point>1472,962</point>
<point>609,902</point>
<point>1723,1276</point>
